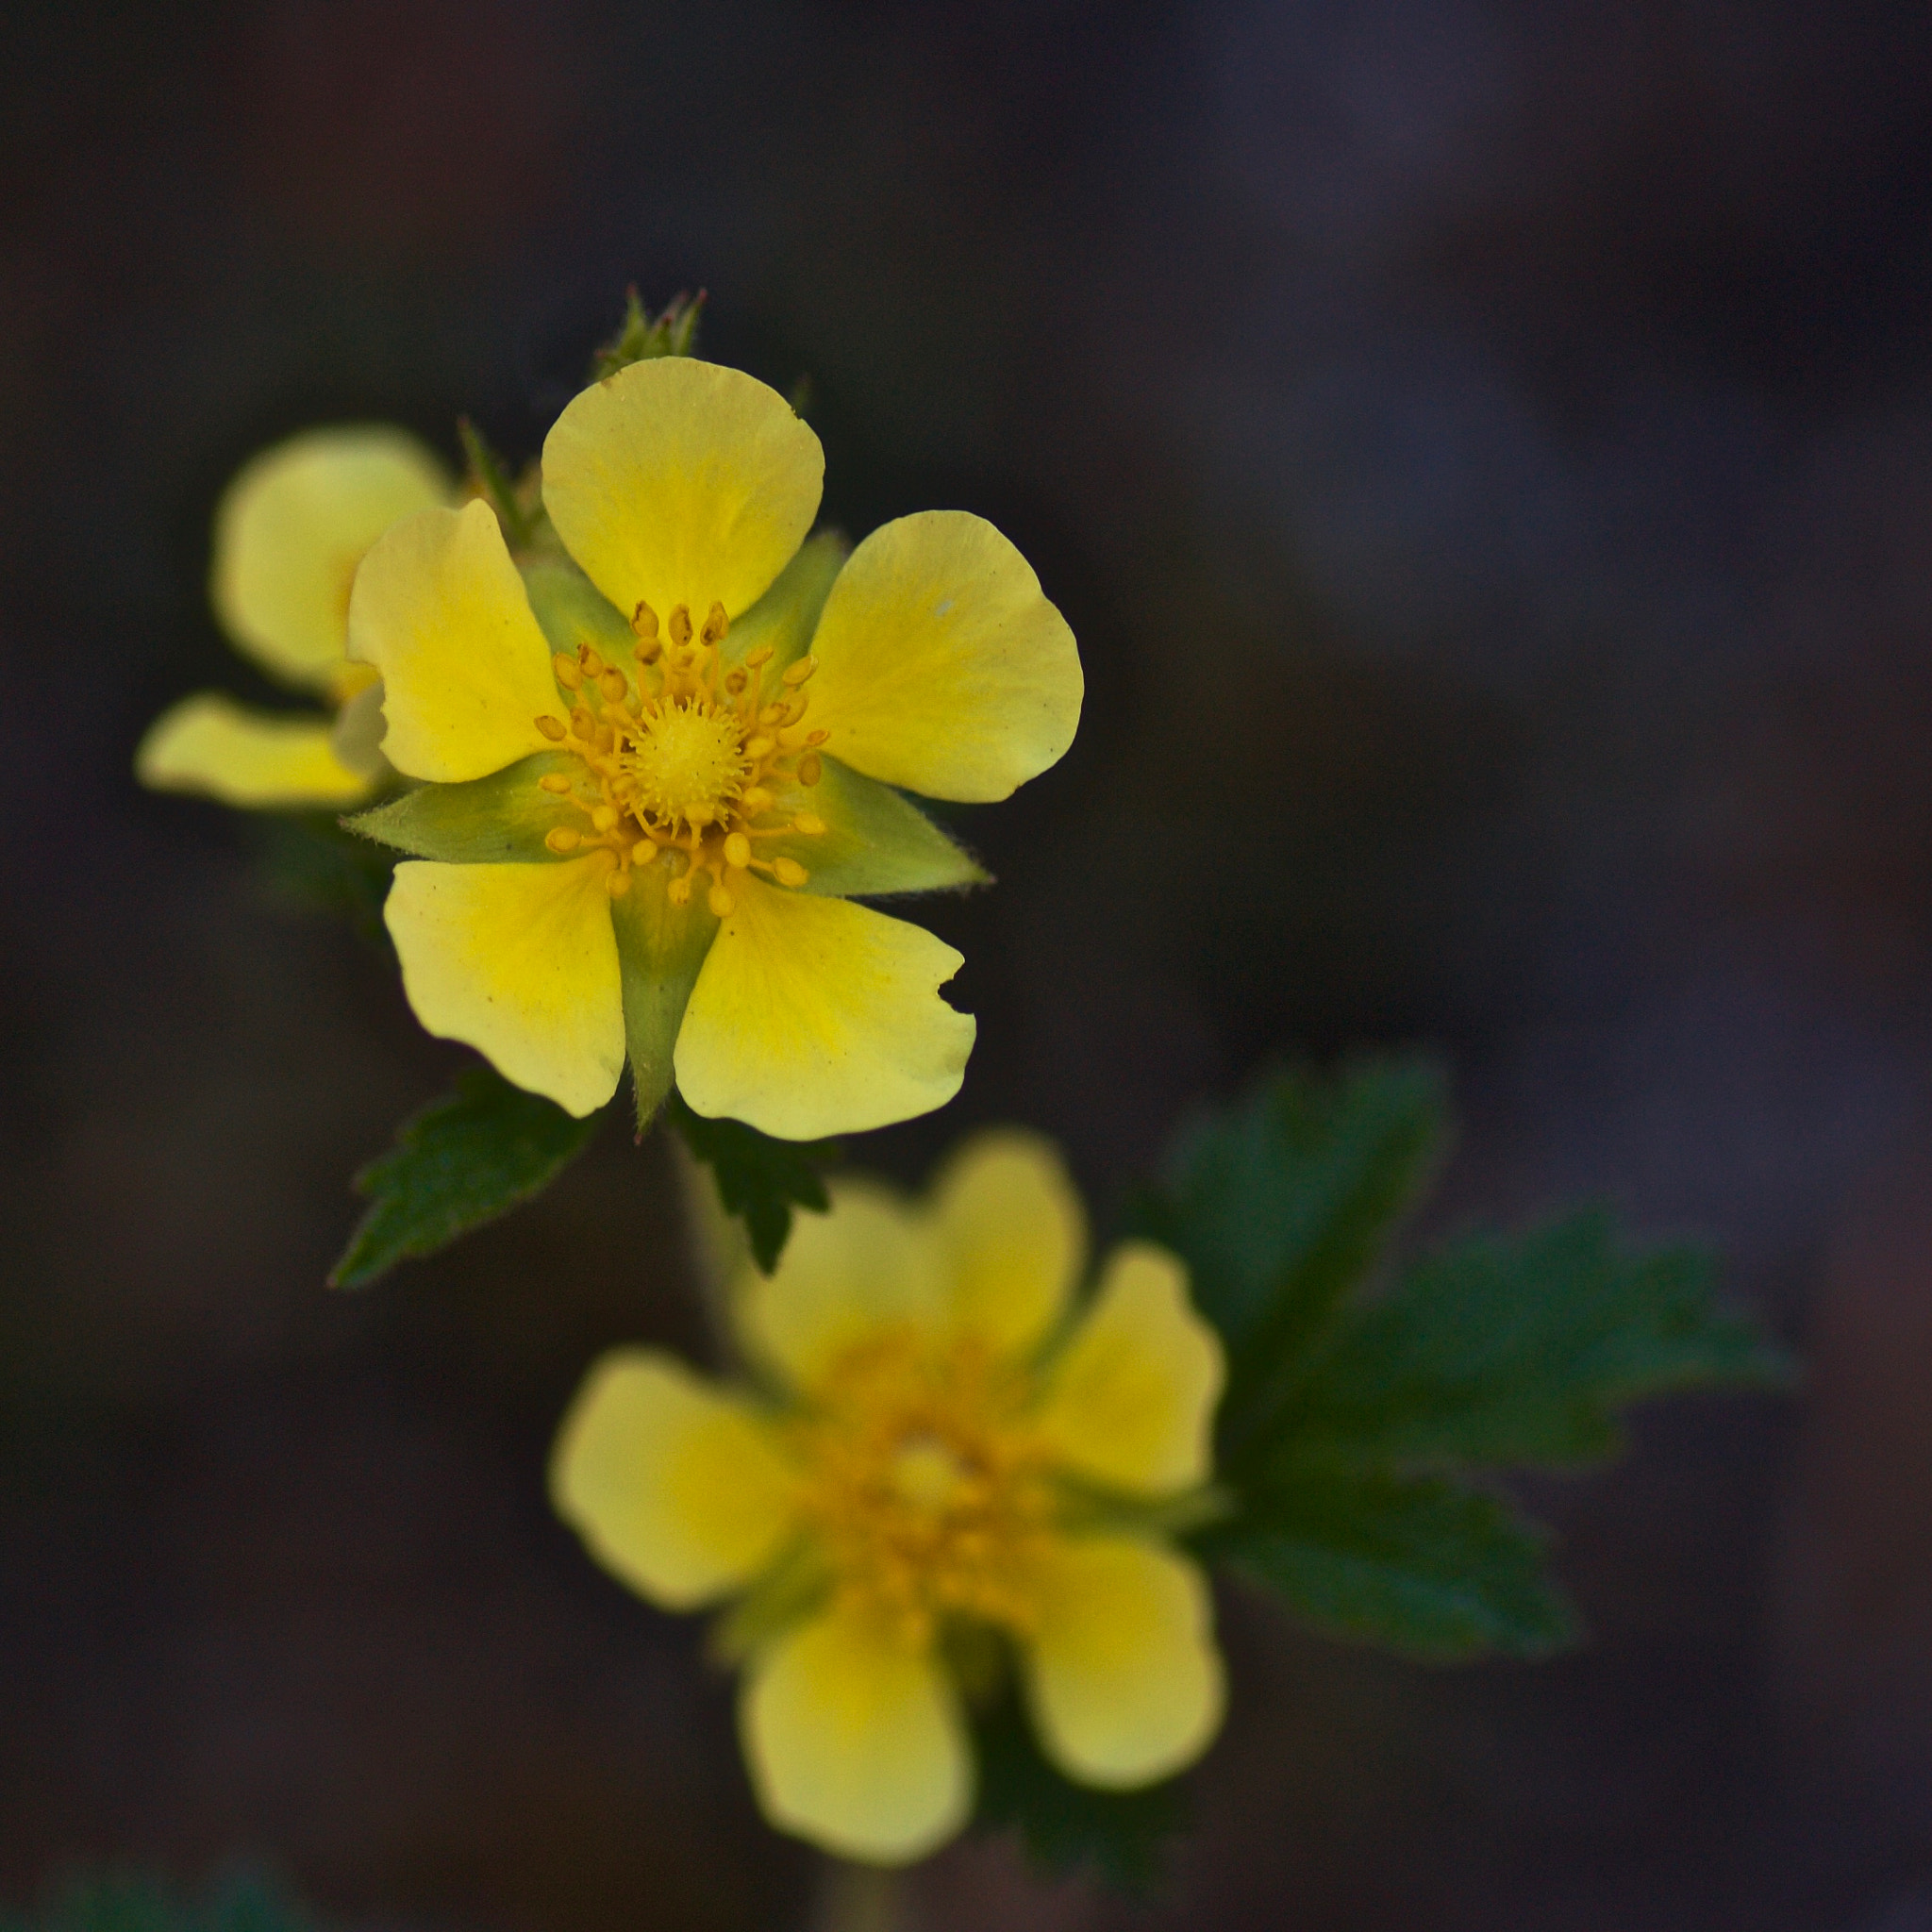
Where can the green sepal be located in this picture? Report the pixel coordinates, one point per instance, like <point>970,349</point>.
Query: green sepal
<point>759,1179</point>
<point>875,840</point>
<point>1520,1352</point>
<point>1064,1826</point>
<point>463,1160</point>
<point>570,610</point>
<point>661,951</point>
<point>1419,1565</point>
<point>310,863</point>
<point>641,335</point>
<point>788,614</point>
<point>499,819</point>
<point>1283,1203</point>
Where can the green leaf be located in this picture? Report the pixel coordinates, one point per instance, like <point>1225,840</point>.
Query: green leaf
<point>499,819</point>
<point>132,1902</point>
<point>492,482</point>
<point>672,332</point>
<point>463,1160</point>
<point>1418,1564</point>
<point>759,1179</point>
<point>1282,1204</point>
<point>1520,1352</point>
<point>1122,1835</point>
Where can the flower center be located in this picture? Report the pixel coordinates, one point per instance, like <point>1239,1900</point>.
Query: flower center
<point>684,757</point>
<point>929,1491</point>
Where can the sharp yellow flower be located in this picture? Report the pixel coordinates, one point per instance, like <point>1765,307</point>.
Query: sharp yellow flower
<point>289,530</point>
<point>944,1461</point>
<point>654,784</point>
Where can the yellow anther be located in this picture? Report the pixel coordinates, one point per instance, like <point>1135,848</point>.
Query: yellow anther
<point>643,620</point>
<point>721,902</point>
<point>797,673</point>
<point>613,686</point>
<point>616,882</point>
<point>755,800</point>
<point>816,736</point>
<point>556,782</point>
<point>678,891</point>
<point>756,748</point>
<point>757,661</point>
<point>567,673</point>
<point>582,722</point>
<point>594,665</point>
<point>563,839</point>
<point>716,624</point>
<point>734,680</point>
<point>605,739</point>
<point>643,852</point>
<point>699,814</point>
<point>738,850</point>
<point>789,872</point>
<point>680,625</point>
<point>810,824</point>
<point>552,728</point>
<point>809,770</point>
<point>604,817</point>
<point>770,715</point>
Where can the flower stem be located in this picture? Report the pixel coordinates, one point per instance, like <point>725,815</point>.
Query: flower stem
<point>860,1898</point>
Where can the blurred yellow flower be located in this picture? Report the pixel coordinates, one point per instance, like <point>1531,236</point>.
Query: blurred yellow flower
<point>942,1461</point>
<point>640,832</point>
<point>289,530</point>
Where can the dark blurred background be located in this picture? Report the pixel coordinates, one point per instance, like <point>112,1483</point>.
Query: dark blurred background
<point>1485,450</point>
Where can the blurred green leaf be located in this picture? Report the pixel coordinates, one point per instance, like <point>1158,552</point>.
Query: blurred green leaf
<point>1122,1835</point>
<point>759,1179</point>
<point>1354,1409</point>
<point>1520,1352</point>
<point>1417,1564</point>
<point>673,331</point>
<point>308,862</point>
<point>463,1160</point>
<point>1282,1204</point>
<point>245,1901</point>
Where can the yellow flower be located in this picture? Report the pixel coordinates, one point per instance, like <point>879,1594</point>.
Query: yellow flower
<point>654,784</point>
<point>944,1461</point>
<point>289,530</point>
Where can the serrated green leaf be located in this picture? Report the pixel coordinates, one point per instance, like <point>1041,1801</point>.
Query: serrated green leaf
<point>1282,1204</point>
<point>1417,1564</point>
<point>1520,1352</point>
<point>463,1160</point>
<point>1122,1834</point>
<point>759,1179</point>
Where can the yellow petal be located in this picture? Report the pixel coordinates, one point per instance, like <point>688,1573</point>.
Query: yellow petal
<point>941,666</point>
<point>867,1265</point>
<point>439,610</point>
<point>857,1743</point>
<point>290,529</point>
<point>210,744</point>
<point>678,482</point>
<point>519,962</point>
<point>1122,1675</point>
<point>1130,1404</point>
<point>675,1483</point>
<point>815,1016</point>
<point>1013,1234</point>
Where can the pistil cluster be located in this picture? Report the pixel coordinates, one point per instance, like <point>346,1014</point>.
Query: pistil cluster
<point>928,1490</point>
<point>686,756</point>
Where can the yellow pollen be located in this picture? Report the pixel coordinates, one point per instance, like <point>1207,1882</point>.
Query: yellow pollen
<point>721,902</point>
<point>789,872</point>
<point>928,1490</point>
<point>567,673</point>
<point>594,665</point>
<point>738,850</point>
<point>563,839</point>
<point>556,782</point>
<point>686,756</point>
<point>809,770</point>
<point>643,620</point>
<point>552,728</point>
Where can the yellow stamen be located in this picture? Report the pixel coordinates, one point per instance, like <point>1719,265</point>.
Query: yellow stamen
<point>614,687</point>
<point>643,620</point>
<point>789,872</point>
<point>563,839</point>
<point>617,883</point>
<point>567,673</point>
<point>809,770</point>
<point>738,850</point>
<point>552,728</point>
<point>721,902</point>
<point>554,781</point>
